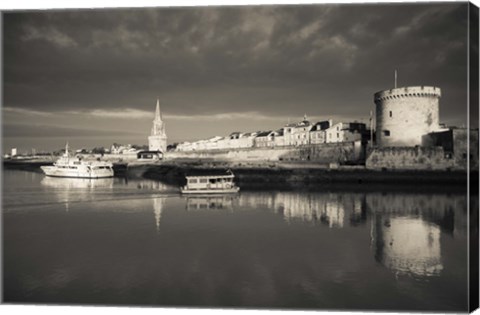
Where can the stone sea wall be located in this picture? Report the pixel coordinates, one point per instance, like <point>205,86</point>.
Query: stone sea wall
<point>408,158</point>
<point>347,152</point>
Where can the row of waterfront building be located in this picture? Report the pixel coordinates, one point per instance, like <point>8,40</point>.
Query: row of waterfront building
<point>296,134</point>
<point>402,117</point>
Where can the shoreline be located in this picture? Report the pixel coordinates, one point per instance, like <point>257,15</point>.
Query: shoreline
<point>263,176</point>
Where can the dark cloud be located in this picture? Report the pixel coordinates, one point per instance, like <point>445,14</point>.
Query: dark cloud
<point>276,60</point>
<point>36,130</point>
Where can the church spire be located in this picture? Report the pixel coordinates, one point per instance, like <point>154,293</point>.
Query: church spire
<point>157,141</point>
<point>158,116</point>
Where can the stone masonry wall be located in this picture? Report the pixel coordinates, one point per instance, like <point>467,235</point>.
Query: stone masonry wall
<point>404,115</point>
<point>408,158</point>
<point>322,153</point>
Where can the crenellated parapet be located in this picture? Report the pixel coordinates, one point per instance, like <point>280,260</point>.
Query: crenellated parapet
<point>407,92</point>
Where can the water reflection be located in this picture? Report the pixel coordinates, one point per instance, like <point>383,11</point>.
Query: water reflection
<point>210,202</point>
<point>405,229</point>
<point>331,209</point>
<point>158,205</point>
<point>407,245</point>
<point>75,183</point>
<point>297,249</point>
<point>67,190</point>
<point>145,185</point>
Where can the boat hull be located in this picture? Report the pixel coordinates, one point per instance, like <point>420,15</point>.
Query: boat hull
<point>210,191</point>
<point>52,171</point>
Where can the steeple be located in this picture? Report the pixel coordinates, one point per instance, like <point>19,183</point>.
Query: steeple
<point>157,141</point>
<point>158,116</point>
<point>305,117</point>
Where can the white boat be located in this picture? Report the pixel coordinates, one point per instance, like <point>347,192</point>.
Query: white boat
<point>210,184</point>
<point>67,166</point>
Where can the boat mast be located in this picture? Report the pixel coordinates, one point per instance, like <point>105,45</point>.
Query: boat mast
<point>66,151</point>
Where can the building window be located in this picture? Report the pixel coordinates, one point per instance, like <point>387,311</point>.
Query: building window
<point>338,135</point>
<point>390,113</point>
<point>386,133</point>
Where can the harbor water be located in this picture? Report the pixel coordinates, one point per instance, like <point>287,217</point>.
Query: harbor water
<point>122,241</point>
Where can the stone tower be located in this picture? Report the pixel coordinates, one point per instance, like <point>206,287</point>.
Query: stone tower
<point>157,141</point>
<point>404,115</point>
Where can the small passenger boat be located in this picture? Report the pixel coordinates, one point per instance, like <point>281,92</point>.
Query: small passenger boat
<point>67,166</point>
<point>210,184</point>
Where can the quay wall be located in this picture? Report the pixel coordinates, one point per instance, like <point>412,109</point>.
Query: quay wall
<point>458,144</point>
<point>408,158</point>
<point>347,152</point>
<point>279,175</point>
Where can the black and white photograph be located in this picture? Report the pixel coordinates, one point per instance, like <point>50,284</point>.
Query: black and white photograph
<point>293,157</point>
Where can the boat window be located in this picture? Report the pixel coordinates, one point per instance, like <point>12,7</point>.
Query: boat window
<point>192,180</point>
<point>212,180</point>
<point>203,180</point>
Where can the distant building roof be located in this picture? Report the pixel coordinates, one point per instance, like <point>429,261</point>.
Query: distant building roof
<point>264,133</point>
<point>302,123</point>
<point>321,125</point>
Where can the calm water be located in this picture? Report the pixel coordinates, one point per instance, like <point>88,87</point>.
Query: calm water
<point>139,242</point>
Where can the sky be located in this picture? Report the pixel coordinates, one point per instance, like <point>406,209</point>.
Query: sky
<point>92,77</point>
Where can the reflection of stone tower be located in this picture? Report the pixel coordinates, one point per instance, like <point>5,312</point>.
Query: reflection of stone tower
<point>407,245</point>
<point>404,115</point>
<point>157,141</point>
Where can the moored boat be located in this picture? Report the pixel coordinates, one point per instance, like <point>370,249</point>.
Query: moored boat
<point>75,167</point>
<point>210,184</point>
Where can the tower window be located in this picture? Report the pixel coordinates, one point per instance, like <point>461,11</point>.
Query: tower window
<point>390,113</point>
<point>386,133</point>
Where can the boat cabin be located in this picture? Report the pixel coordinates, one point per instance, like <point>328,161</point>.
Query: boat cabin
<point>210,182</point>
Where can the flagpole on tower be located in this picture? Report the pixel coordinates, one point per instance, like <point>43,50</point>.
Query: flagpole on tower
<point>395,78</point>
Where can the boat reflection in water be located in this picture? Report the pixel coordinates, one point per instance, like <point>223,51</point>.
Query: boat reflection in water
<point>68,190</point>
<point>76,183</point>
<point>210,202</point>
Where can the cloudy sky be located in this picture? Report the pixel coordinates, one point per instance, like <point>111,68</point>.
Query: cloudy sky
<point>92,77</point>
